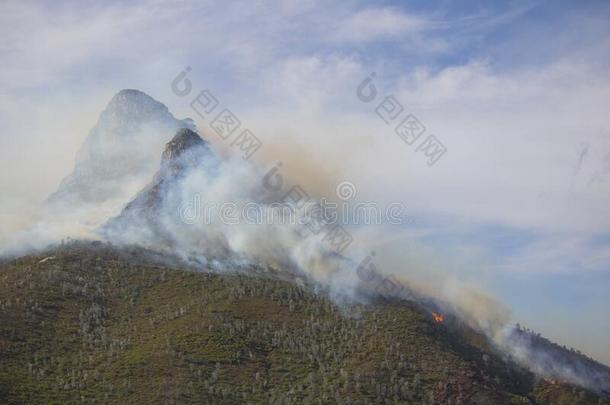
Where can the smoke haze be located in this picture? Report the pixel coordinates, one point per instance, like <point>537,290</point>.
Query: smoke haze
<point>510,225</point>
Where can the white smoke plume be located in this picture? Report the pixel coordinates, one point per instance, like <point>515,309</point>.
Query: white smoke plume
<point>120,157</point>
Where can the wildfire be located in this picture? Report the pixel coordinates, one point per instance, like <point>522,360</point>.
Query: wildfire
<point>438,318</point>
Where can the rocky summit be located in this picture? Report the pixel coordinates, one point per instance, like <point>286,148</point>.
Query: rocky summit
<point>120,150</point>
<point>186,151</point>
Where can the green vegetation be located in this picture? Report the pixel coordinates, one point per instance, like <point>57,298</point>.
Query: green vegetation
<point>107,325</point>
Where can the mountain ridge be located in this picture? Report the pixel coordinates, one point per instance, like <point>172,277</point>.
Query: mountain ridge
<point>118,149</point>
<point>184,152</point>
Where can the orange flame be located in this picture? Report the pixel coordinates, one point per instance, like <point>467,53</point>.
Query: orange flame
<point>438,318</point>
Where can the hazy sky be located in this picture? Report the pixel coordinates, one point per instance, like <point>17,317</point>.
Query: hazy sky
<point>517,91</point>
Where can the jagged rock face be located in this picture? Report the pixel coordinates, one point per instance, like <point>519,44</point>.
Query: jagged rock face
<point>121,150</point>
<point>186,151</point>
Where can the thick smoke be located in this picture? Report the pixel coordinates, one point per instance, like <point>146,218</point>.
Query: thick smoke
<point>179,213</point>
<point>552,361</point>
<point>214,208</point>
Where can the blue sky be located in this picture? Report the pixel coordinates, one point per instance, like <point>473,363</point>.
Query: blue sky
<point>516,91</point>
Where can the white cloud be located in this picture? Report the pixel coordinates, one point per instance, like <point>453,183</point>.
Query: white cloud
<point>373,24</point>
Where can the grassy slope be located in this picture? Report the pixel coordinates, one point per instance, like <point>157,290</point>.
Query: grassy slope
<point>99,325</point>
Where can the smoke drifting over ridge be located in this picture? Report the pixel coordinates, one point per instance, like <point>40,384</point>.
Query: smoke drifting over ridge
<point>121,156</point>
<point>118,157</point>
<point>190,176</point>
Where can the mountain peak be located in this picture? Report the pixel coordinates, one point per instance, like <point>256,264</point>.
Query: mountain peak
<point>132,93</point>
<point>184,140</point>
<point>185,150</point>
<point>134,104</point>
<point>122,148</point>
<point>132,96</point>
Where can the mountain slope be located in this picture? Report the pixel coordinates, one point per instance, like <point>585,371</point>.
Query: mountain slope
<point>120,149</point>
<point>146,216</point>
<point>86,321</point>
